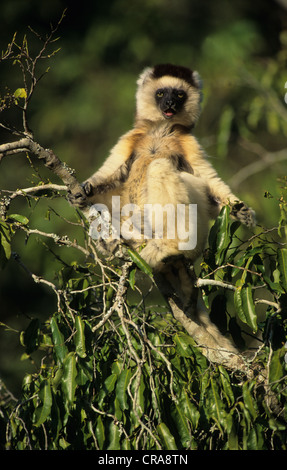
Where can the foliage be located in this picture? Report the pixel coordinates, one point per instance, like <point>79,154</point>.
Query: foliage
<point>116,372</point>
<point>112,369</point>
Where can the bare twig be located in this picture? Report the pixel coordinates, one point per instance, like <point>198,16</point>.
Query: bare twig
<point>5,55</point>
<point>268,302</point>
<point>60,240</point>
<point>20,54</point>
<point>212,282</point>
<point>119,299</point>
<point>34,189</point>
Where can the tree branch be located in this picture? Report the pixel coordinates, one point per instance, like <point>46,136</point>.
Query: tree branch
<point>14,147</point>
<point>49,159</point>
<point>212,282</point>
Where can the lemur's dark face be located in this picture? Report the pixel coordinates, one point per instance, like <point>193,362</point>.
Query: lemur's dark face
<point>170,101</point>
<point>170,95</point>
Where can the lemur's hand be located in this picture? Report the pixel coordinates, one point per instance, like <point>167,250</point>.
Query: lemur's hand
<point>243,214</point>
<point>80,199</point>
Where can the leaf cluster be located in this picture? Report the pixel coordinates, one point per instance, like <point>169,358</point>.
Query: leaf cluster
<point>119,373</point>
<point>254,272</point>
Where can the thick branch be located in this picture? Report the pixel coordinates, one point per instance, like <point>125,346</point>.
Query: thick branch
<point>50,160</point>
<point>205,341</point>
<point>196,322</point>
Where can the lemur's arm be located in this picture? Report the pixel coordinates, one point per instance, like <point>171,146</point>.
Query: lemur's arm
<point>112,173</point>
<point>220,193</point>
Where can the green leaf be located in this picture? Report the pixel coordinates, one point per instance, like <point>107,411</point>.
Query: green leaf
<point>223,236</point>
<point>79,337</point>
<point>117,367</point>
<point>117,411</point>
<point>60,348</point>
<point>141,264</point>
<point>138,393</point>
<point>132,278</point>
<point>239,262</point>
<point>167,438</point>
<point>238,304</point>
<point>69,383</point>
<point>20,93</point>
<point>57,379</point>
<point>19,218</point>
<point>255,438</point>
<point>184,344</point>
<point>121,388</point>
<point>233,438</point>
<point>85,372</point>
<point>225,381</point>
<point>220,236</point>
<point>249,308</point>
<point>214,406</point>
<point>276,368</point>
<point>44,411</point>
<point>181,423</point>
<point>107,388</point>
<point>110,293</point>
<point>100,432</point>
<point>189,409</point>
<point>110,382</point>
<point>249,401</point>
<point>244,306</point>
<point>114,436</point>
<point>282,265</point>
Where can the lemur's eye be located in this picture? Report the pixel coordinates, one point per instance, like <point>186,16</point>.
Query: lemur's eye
<point>180,94</point>
<point>159,94</point>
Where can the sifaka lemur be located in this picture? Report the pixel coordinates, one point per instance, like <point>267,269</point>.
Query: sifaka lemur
<point>160,162</point>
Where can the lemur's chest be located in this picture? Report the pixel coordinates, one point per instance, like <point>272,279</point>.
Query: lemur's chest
<point>155,145</point>
<point>158,143</point>
<point>151,147</point>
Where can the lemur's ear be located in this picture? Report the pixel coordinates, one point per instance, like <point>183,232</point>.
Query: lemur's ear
<point>147,73</point>
<point>197,80</point>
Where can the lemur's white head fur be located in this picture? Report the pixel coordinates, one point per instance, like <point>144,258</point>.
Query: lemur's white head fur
<point>174,77</point>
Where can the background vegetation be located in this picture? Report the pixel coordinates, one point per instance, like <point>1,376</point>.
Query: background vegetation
<point>110,386</point>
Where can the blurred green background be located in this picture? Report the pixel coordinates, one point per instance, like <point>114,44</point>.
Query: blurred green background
<point>86,101</point>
